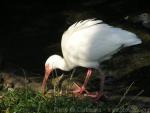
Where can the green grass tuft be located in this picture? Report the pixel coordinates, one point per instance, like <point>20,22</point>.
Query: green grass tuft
<point>27,101</point>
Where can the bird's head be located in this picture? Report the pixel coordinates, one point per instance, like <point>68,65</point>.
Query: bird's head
<point>53,62</point>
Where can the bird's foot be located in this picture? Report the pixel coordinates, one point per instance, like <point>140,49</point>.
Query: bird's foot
<point>79,90</point>
<point>96,96</point>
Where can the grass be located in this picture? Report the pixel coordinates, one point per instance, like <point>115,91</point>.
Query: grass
<point>27,101</point>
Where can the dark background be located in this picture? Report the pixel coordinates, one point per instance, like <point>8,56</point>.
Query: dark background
<point>30,32</point>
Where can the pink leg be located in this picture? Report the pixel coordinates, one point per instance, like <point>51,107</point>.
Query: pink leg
<point>99,94</point>
<point>82,89</point>
<point>94,95</point>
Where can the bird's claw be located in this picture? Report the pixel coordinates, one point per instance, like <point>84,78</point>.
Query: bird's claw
<point>95,96</point>
<point>79,90</point>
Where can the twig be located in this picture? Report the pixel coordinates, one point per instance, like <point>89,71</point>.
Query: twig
<point>124,95</point>
<point>136,96</point>
<point>56,73</point>
<point>72,74</point>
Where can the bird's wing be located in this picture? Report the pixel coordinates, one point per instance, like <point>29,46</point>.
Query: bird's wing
<point>93,42</point>
<point>80,25</point>
<point>90,43</point>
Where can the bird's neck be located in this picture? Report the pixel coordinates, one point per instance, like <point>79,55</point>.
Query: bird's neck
<point>61,64</point>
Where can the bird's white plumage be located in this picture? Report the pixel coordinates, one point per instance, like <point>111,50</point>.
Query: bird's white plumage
<point>88,43</point>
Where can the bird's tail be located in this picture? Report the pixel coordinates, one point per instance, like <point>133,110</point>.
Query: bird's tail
<point>133,41</point>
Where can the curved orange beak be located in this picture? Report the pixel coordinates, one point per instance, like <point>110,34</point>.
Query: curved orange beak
<point>48,71</point>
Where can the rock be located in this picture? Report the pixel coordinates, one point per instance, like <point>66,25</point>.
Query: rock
<point>143,19</point>
<point>35,86</point>
<point>11,80</point>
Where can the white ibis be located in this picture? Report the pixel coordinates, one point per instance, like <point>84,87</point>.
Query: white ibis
<point>88,43</point>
